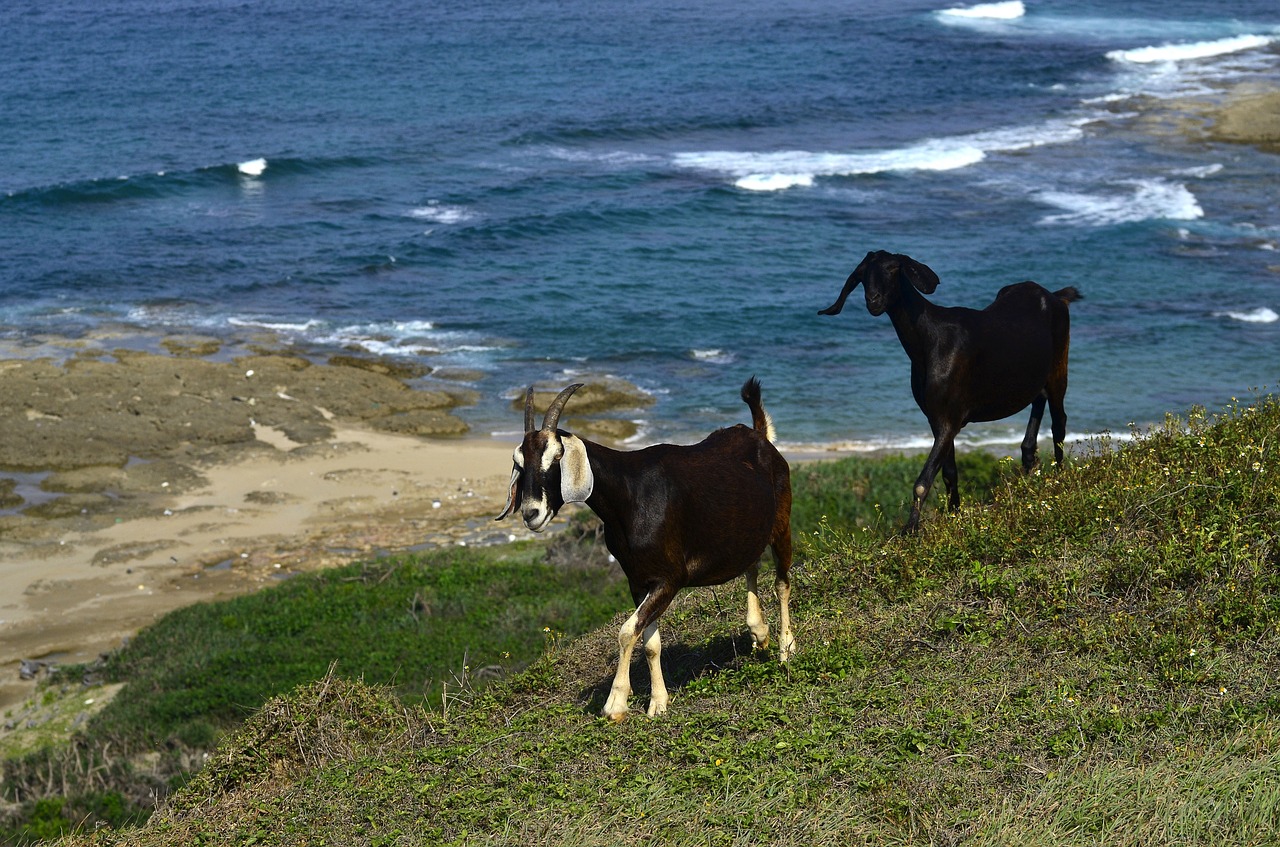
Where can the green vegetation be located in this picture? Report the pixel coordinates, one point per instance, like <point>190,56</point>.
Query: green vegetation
<point>426,625</point>
<point>416,623</point>
<point>1088,657</point>
<point>875,493</point>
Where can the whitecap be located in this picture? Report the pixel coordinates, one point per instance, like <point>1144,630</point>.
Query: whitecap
<point>1005,11</point>
<point>1194,50</point>
<point>1200,172</point>
<point>778,170</point>
<point>274,326</point>
<point>715,356</point>
<point>774,182</point>
<point>608,157</point>
<point>441,214</point>
<point>1153,199</point>
<point>253,167</point>
<point>1260,315</point>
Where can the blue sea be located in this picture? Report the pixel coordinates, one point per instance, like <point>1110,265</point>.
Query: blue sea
<point>664,192</point>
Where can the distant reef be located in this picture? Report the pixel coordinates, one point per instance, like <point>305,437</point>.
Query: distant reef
<point>1249,114</point>
<point>100,410</point>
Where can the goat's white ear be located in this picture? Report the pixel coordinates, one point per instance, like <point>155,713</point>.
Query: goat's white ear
<point>576,479</point>
<point>511,496</point>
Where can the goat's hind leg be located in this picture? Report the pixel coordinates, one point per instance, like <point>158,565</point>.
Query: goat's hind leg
<point>755,618</point>
<point>1033,432</point>
<point>1058,418</point>
<point>951,477</point>
<point>782,587</point>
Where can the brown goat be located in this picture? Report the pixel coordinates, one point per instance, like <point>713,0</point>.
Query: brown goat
<point>968,364</point>
<point>673,517</point>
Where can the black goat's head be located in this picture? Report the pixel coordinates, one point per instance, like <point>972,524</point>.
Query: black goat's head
<point>551,467</point>
<point>880,273</point>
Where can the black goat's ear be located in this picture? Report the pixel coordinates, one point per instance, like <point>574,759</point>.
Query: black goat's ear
<point>849,284</point>
<point>919,274</point>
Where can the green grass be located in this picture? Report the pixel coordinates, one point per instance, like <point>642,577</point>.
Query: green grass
<point>415,623</point>
<point>1089,657</point>
<point>874,493</point>
<point>424,625</point>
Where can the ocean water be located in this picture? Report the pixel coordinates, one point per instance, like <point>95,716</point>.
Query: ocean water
<point>533,191</point>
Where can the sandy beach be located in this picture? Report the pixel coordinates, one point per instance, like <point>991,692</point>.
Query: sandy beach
<point>255,522</point>
<point>93,549</point>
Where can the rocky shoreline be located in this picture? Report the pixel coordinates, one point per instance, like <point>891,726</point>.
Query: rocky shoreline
<point>133,482</point>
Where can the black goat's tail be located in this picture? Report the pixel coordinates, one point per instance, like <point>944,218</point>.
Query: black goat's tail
<point>1068,294</point>
<point>760,420</point>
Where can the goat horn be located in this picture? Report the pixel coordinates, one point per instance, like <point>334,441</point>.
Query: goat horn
<point>528,410</point>
<point>552,419</point>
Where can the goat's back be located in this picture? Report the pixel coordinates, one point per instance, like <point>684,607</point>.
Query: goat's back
<point>724,499</point>
<point>988,364</point>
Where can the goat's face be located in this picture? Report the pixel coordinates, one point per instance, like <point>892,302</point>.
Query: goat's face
<point>881,274</point>
<point>550,468</point>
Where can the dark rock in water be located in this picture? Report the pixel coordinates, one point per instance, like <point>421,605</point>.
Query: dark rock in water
<point>598,394</point>
<point>9,497</point>
<point>30,668</point>
<point>396,368</point>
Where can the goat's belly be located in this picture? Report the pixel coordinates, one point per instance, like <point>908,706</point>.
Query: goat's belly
<point>728,565</point>
<point>1008,402</point>
<point>995,413</point>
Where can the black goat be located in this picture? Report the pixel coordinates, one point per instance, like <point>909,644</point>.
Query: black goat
<point>673,517</point>
<point>970,365</point>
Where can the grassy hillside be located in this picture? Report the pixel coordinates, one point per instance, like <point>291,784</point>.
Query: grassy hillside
<point>1091,658</point>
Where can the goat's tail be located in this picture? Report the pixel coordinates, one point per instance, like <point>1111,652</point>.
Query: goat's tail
<point>760,420</point>
<point>1068,294</point>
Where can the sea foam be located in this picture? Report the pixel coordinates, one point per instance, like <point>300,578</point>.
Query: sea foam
<point>1006,11</point>
<point>774,171</point>
<point>442,214</point>
<point>253,167</point>
<point>1260,315</point>
<point>1195,50</point>
<point>1153,199</point>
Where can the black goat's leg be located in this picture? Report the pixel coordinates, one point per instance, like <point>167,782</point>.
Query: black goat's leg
<point>1058,419</point>
<point>924,482</point>
<point>951,476</point>
<point>1033,432</point>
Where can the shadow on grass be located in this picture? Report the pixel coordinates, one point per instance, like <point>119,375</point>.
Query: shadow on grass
<point>681,664</point>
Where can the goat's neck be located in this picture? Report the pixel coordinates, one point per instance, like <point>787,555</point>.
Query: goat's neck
<point>609,496</point>
<point>913,317</point>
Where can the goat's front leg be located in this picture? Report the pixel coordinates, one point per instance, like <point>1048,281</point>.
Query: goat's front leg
<point>615,708</point>
<point>658,698</point>
<point>942,439</point>
<point>755,618</point>
<point>642,622</point>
